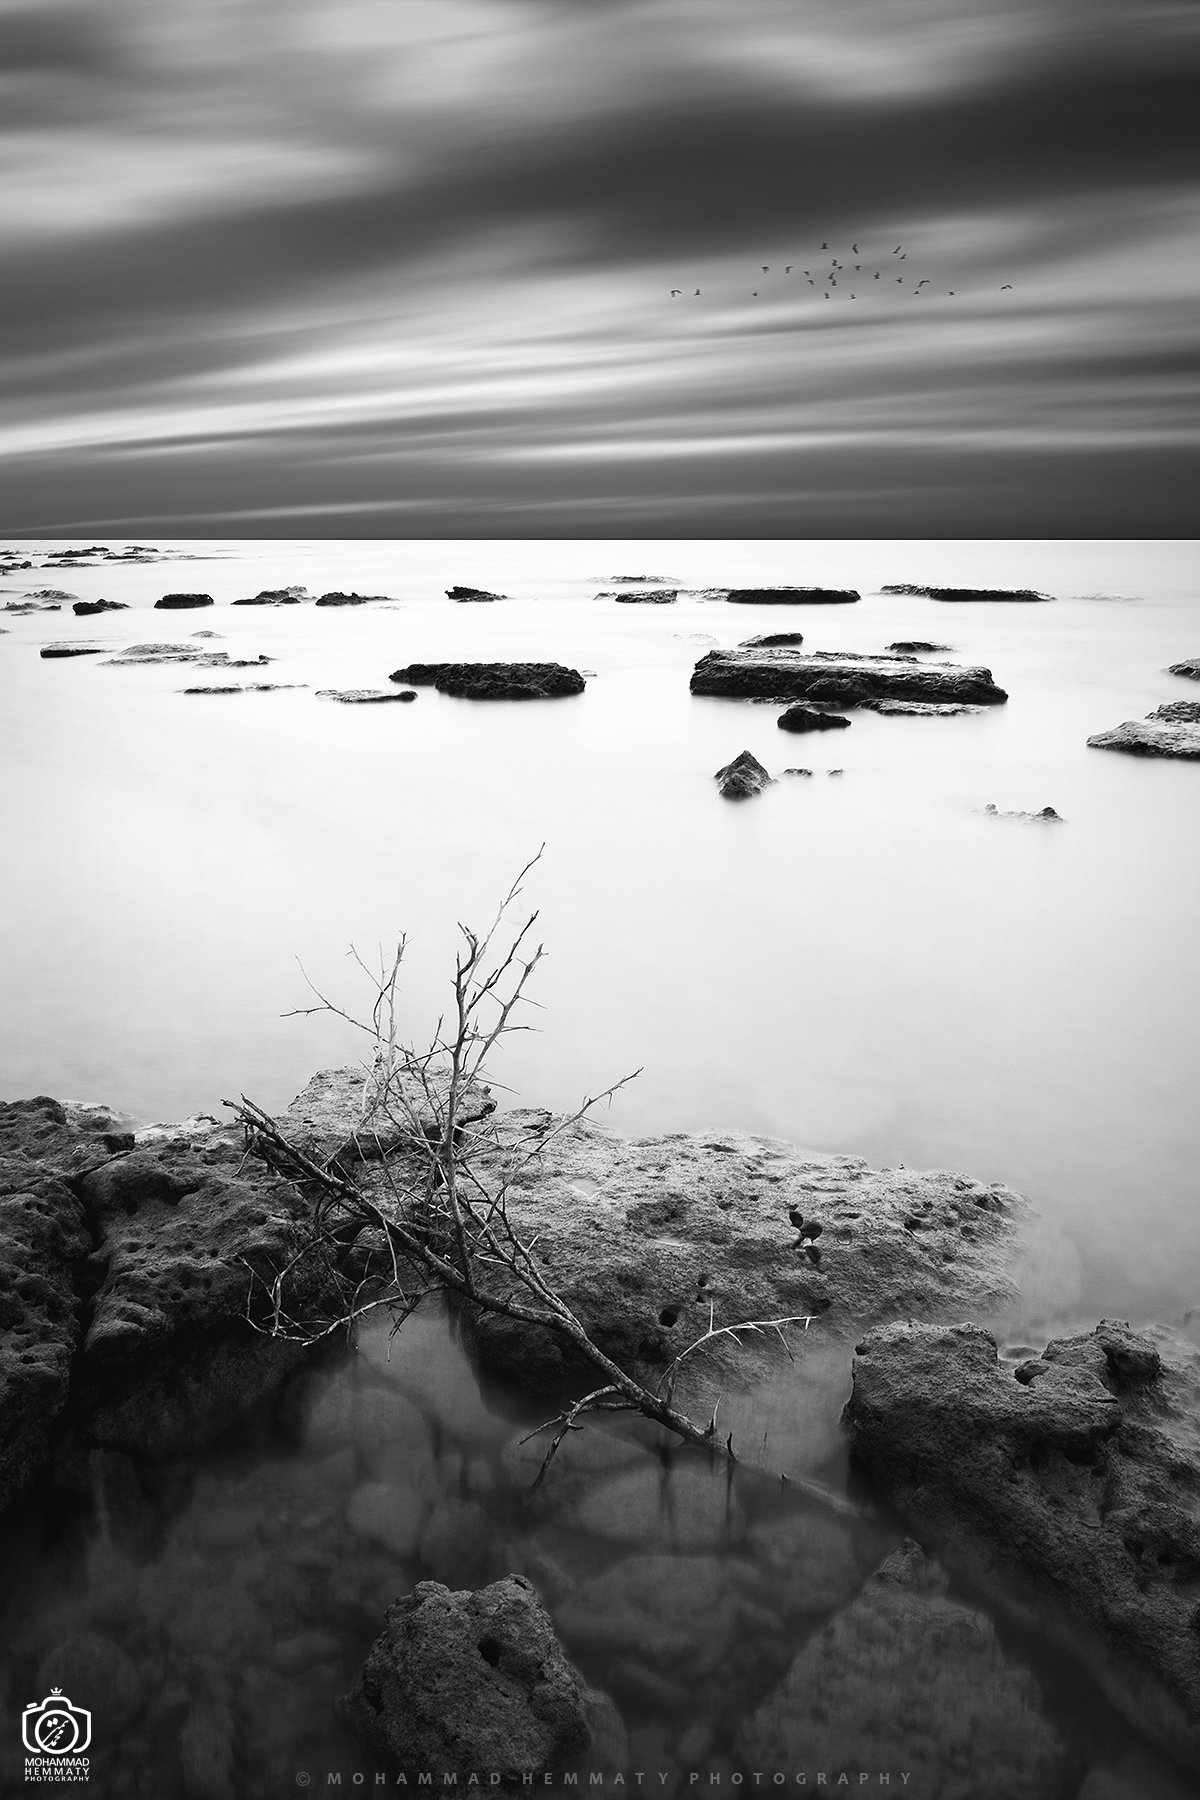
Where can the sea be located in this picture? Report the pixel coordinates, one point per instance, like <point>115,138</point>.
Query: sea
<point>887,957</point>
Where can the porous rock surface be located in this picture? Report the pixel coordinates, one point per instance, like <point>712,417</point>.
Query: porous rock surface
<point>642,1237</point>
<point>743,777</point>
<point>494,681</point>
<point>1072,1478</point>
<point>792,596</point>
<point>1152,736</point>
<point>1189,667</point>
<point>349,1115</point>
<point>841,677</point>
<point>1178,712</point>
<point>906,1678</point>
<point>470,1683</point>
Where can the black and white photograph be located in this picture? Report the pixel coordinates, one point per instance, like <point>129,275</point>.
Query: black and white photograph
<point>599,972</point>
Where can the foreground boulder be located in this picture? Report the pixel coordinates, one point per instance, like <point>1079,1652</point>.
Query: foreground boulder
<point>1157,735</point>
<point>180,602</point>
<point>642,1238</point>
<point>472,1683</point>
<point>1071,1479</point>
<point>842,678</point>
<point>957,593</point>
<point>743,777</point>
<point>494,681</point>
<point>905,1678</point>
<point>792,596</point>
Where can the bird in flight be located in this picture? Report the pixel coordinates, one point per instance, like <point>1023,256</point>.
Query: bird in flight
<point>1007,288</point>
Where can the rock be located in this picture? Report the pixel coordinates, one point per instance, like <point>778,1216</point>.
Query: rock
<point>85,607</point>
<point>954,593</point>
<point>470,1682</point>
<point>906,1678</point>
<point>640,1238</point>
<point>21,607</point>
<point>797,771</point>
<point>1072,1478</point>
<point>1190,667</point>
<point>359,696</point>
<point>494,681</point>
<point>807,718</point>
<point>336,598</point>
<point>1151,737</point>
<point>178,602</point>
<point>916,646</point>
<point>49,650</point>
<point>742,777</point>
<point>43,1240</point>
<point>206,1753</point>
<point>843,678</point>
<point>186,653</point>
<point>643,597</point>
<point>471,593</point>
<point>792,596</point>
<point>643,580</point>
<point>1178,712</point>
<point>249,687</point>
<point>1047,813</point>
<point>678,1614</point>
<point>95,1672</point>
<point>582,1460</point>
<point>773,640</point>
<point>920,708</point>
<point>66,1138</point>
<point>288,596</point>
<point>348,1115</point>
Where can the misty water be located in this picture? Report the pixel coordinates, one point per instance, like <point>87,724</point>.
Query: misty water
<point>864,962</point>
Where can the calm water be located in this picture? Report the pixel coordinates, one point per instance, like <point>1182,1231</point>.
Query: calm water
<point>864,964</point>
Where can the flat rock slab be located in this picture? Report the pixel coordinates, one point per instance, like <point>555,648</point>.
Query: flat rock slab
<point>361,696</point>
<point>470,1683</point>
<point>54,650</point>
<point>842,678</point>
<point>494,681</point>
<point>648,1239</point>
<point>807,718</point>
<point>743,777</point>
<point>956,593</point>
<point>906,1678</point>
<point>349,1116</point>
<point>920,709</point>
<point>1189,667</point>
<point>792,596</point>
<point>1046,815</point>
<point>644,597</point>
<point>188,653</point>
<point>1151,737</point>
<point>1072,1478</point>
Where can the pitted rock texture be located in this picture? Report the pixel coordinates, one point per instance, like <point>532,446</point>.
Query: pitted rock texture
<point>494,681</point>
<point>348,1115</point>
<point>1073,1478</point>
<point>642,1237</point>
<point>906,1678</point>
<point>1153,736</point>
<point>1189,667</point>
<point>843,678</point>
<point>470,1683</point>
<point>1178,712</point>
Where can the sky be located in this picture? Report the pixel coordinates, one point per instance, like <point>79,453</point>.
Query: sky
<point>404,268</point>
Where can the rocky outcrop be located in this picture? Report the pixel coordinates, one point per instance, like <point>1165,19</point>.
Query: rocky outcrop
<point>1047,813</point>
<point>85,608</point>
<point>1153,736</point>
<point>916,646</point>
<point>471,1683</point>
<point>472,593</point>
<point>920,709</point>
<point>180,602</point>
<point>347,1116</point>
<point>494,681</point>
<point>906,1678</point>
<point>336,598</point>
<point>247,687</point>
<point>840,678</point>
<point>1189,667</point>
<point>1069,1481</point>
<point>1177,712</point>
<point>55,650</point>
<point>773,640</point>
<point>288,596</point>
<point>134,654</point>
<point>742,778</point>
<point>642,597</point>
<point>643,1238</point>
<point>792,596</point>
<point>956,593</point>
<point>807,718</point>
<point>362,696</point>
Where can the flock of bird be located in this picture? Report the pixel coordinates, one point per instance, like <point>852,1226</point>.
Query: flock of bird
<point>837,281</point>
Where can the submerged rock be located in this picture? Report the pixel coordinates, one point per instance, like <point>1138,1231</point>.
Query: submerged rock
<point>743,777</point>
<point>956,593</point>
<point>906,1678</point>
<point>85,607</point>
<point>494,681</point>
<point>179,602</point>
<point>842,678</point>
<point>471,593</point>
<point>1048,813</point>
<point>792,596</point>
<point>249,687</point>
<point>1070,1481</point>
<point>807,718</point>
<point>471,1682</point>
<point>1153,736</point>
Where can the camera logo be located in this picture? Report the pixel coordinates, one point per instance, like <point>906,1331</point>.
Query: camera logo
<point>55,1727</point>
